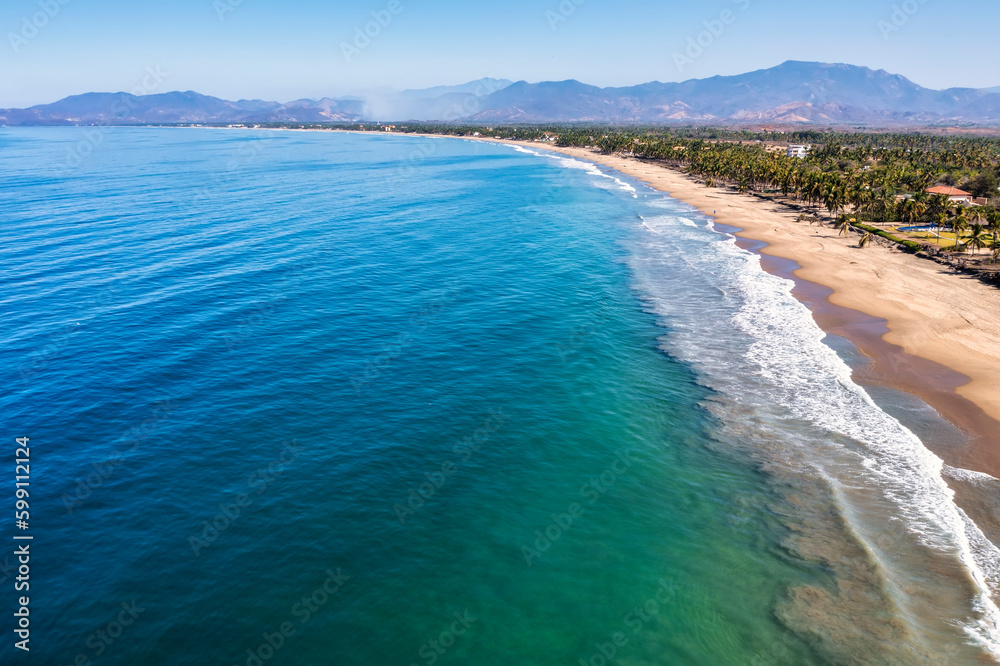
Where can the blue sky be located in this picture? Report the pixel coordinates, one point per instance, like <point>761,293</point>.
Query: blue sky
<point>295,48</point>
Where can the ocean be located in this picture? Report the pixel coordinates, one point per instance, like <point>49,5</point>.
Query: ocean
<point>323,398</point>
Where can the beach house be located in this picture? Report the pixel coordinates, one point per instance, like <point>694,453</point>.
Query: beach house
<point>953,194</point>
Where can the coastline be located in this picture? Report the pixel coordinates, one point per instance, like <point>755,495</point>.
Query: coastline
<point>868,572</point>
<point>927,331</point>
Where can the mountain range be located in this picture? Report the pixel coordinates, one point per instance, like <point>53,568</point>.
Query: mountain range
<point>795,92</point>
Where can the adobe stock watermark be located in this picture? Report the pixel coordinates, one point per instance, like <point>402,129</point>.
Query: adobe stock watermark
<point>582,332</point>
<point>562,13</point>
<point>900,16</point>
<point>102,471</point>
<point>468,106</point>
<point>591,491</point>
<point>635,621</point>
<point>94,136</point>
<point>40,360</point>
<point>437,479</point>
<point>434,649</point>
<point>776,653</point>
<point>704,40</point>
<point>101,640</point>
<point>744,508</point>
<point>422,152</point>
<point>32,25</point>
<point>471,104</point>
<point>302,612</point>
<point>257,482</point>
<point>247,153</point>
<point>249,324</point>
<point>223,7</point>
<point>417,324</point>
<point>7,570</point>
<point>363,35</point>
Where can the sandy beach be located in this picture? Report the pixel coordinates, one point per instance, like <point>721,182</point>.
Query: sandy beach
<point>929,331</point>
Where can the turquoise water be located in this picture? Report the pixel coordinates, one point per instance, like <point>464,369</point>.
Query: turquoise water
<point>313,398</point>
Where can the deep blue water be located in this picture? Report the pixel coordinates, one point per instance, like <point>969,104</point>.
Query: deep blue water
<point>412,401</point>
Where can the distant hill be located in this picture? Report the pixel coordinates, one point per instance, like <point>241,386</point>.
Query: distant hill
<point>442,102</point>
<point>176,107</point>
<point>439,103</point>
<point>481,88</point>
<point>794,92</point>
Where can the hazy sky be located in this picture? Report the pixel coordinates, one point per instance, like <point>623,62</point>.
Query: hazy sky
<point>295,48</point>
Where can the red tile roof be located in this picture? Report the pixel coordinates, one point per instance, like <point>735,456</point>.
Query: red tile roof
<point>950,191</point>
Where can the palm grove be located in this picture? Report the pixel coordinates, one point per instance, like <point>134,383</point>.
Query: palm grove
<point>877,177</point>
<point>855,177</point>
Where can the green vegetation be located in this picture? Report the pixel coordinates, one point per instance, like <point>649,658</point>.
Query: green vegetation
<point>881,178</point>
<point>910,245</point>
<point>876,178</point>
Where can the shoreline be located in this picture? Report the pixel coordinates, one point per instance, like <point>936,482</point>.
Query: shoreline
<point>890,365</point>
<point>926,331</point>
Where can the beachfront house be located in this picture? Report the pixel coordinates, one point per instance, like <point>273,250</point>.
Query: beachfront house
<point>953,193</point>
<point>799,151</point>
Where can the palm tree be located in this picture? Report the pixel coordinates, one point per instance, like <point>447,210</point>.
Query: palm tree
<point>976,214</point>
<point>993,216</point>
<point>959,224</point>
<point>862,198</point>
<point>907,210</point>
<point>834,197</point>
<point>844,225</point>
<point>867,238</point>
<point>885,203</point>
<point>978,237</point>
<point>939,204</point>
<point>814,191</point>
<point>912,210</point>
<point>797,181</point>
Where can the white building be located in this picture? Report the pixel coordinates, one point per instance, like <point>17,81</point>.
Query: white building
<point>799,151</point>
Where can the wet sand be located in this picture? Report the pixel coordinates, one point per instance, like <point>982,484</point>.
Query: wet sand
<point>865,296</point>
<point>927,331</point>
<point>892,366</point>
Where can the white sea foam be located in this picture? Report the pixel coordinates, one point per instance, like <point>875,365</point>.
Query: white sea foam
<point>816,385</point>
<point>689,219</point>
<point>798,379</point>
<point>970,475</point>
<point>588,167</point>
